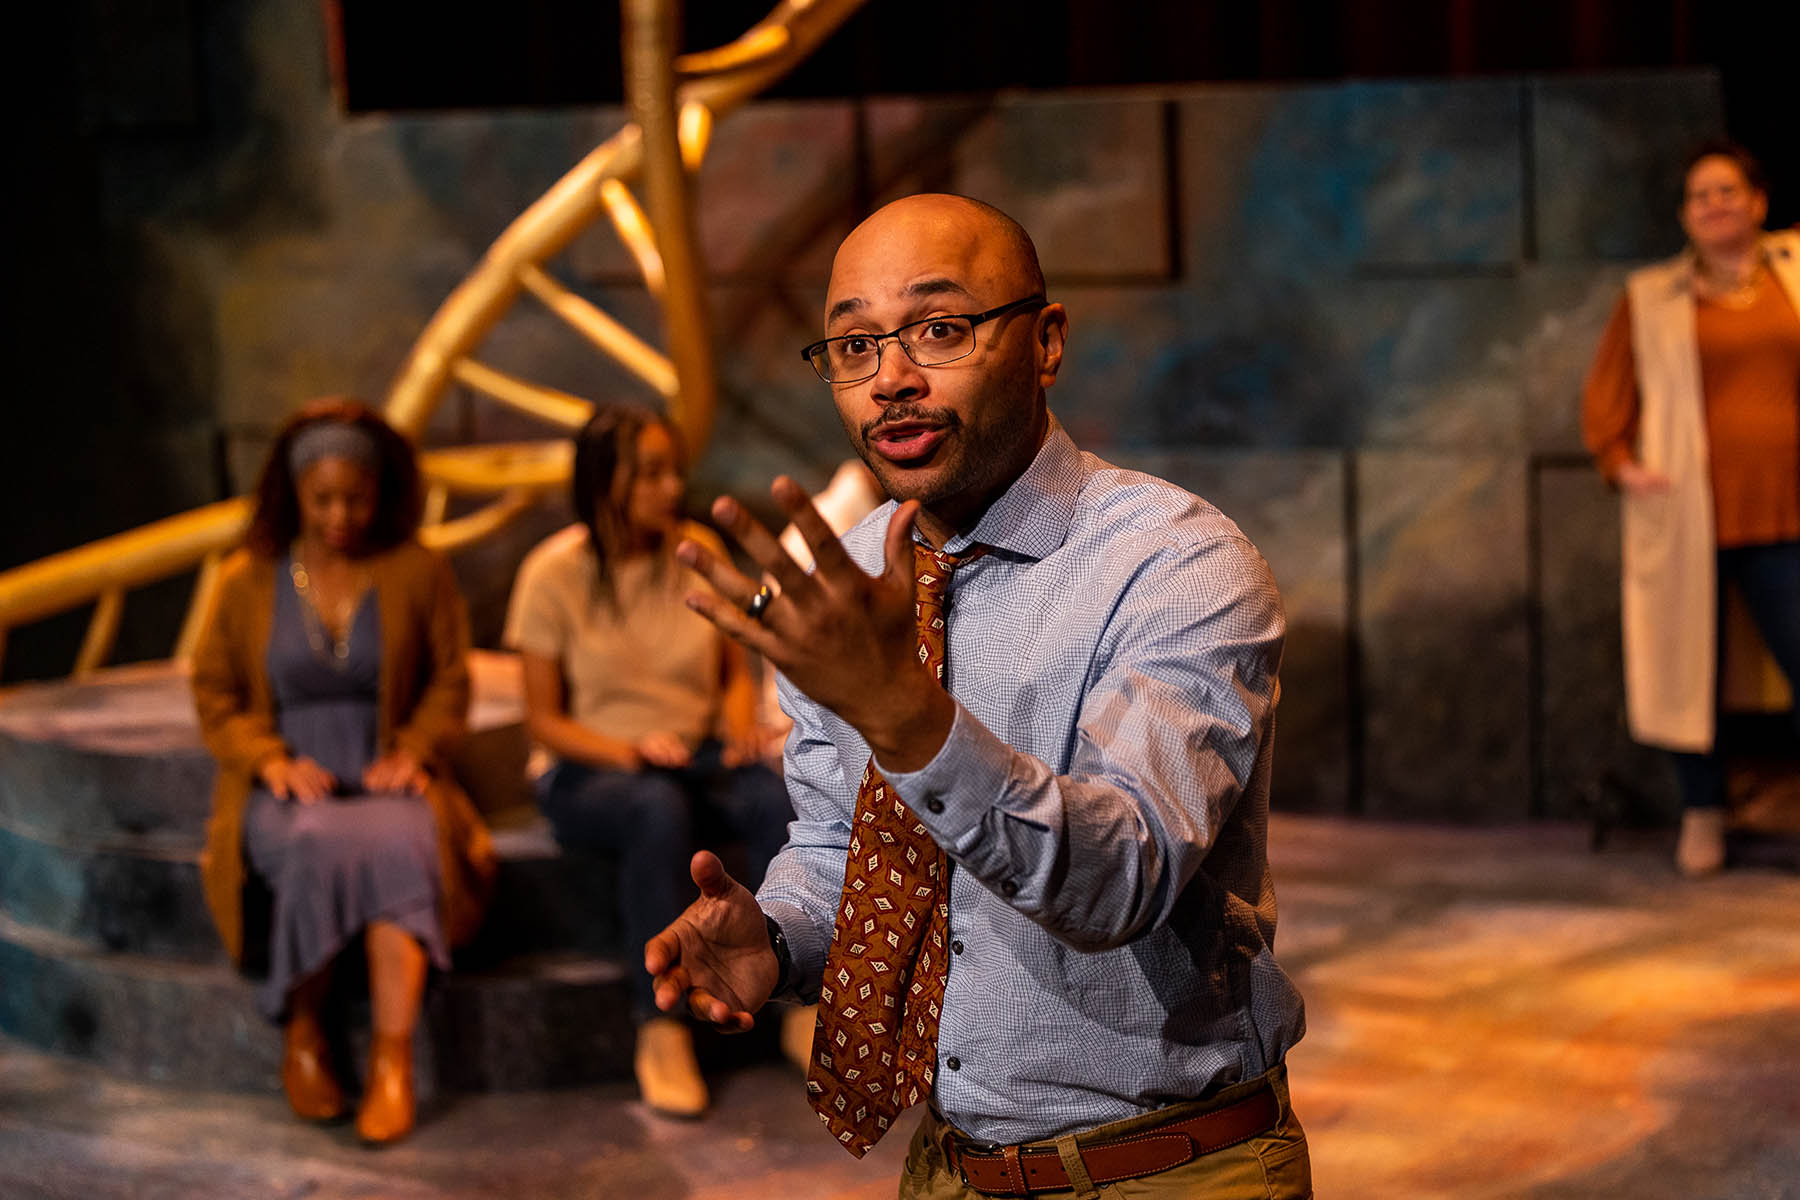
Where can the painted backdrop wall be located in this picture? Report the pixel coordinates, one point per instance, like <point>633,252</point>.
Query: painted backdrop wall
<point>1355,316</point>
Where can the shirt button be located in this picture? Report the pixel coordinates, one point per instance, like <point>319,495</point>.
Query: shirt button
<point>956,947</point>
<point>1008,888</point>
<point>935,805</point>
<point>953,1062</point>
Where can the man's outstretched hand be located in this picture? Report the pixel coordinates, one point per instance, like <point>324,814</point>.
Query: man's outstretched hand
<point>716,955</point>
<point>848,639</point>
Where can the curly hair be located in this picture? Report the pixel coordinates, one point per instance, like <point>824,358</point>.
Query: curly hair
<point>398,500</point>
<point>1745,161</point>
<point>605,467</point>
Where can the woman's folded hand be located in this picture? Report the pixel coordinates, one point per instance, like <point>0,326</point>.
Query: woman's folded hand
<point>299,779</point>
<point>396,771</point>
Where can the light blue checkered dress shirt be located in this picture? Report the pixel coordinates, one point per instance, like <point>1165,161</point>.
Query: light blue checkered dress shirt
<point>1103,796</point>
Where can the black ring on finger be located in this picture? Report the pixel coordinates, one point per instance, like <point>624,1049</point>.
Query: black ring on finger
<point>759,603</point>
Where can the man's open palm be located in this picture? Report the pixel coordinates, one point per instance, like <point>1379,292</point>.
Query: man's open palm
<point>716,954</point>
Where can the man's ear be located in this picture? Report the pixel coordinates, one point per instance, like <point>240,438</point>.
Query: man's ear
<point>1052,335</point>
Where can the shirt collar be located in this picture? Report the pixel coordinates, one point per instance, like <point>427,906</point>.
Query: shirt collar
<point>1032,515</point>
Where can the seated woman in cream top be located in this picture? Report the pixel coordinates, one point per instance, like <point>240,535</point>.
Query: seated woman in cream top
<point>649,710</point>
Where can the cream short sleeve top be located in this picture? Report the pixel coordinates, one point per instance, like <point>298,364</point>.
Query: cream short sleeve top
<point>649,665</point>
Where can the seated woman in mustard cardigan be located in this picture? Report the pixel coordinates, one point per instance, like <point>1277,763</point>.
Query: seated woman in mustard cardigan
<point>330,681</point>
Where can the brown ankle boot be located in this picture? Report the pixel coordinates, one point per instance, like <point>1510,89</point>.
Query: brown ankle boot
<point>386,1114</point>
<point>312,1090</point>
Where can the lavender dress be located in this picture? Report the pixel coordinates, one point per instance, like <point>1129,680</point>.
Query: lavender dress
<point>338,864</point>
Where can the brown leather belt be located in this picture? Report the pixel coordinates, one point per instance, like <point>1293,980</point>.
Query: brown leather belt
<point>1026,1170</point>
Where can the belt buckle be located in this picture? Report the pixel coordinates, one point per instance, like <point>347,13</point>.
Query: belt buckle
<point>961,1147</point>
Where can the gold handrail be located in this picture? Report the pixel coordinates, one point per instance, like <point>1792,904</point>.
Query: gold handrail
<point>544,403</point>
<point>451,536</point>
<point>500,467</point>
<point>124,561</point>
<point>106,569</point>
<point>102,632</point>
<point>606,333</point>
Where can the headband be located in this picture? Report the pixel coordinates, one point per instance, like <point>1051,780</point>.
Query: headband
<point>333,439</point>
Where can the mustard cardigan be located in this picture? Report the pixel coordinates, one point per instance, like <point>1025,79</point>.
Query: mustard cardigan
<point>423,706</point>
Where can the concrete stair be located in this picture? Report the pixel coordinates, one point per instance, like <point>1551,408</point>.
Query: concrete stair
<point>107,952</point>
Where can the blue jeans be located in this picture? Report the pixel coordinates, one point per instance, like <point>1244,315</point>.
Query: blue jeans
<point>1769,577</point>
<point>652,821</point>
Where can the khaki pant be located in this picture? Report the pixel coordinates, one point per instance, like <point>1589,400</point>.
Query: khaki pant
<point>1270,1166</point>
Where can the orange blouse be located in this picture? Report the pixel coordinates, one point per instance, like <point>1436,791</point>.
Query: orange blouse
<point>1750,376</point>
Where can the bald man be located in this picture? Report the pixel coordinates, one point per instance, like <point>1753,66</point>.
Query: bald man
<point>1033,700</point>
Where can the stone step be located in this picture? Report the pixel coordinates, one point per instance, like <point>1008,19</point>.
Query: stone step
<point>105,791</point>
<point>107,952</point>
<point>121,756</point>
<point>546,900</point>
<point>142,895</point>
<point>119,753</point>
<point>138,895</point>
<point>535,1021</point>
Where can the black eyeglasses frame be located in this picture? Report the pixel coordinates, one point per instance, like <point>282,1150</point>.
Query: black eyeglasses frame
<point>975,320</point>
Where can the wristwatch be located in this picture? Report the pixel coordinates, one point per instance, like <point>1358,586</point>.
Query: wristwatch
<point>784,962</point>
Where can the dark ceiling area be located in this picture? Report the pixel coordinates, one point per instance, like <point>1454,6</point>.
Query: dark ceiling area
<point>567,53</point>
<point>551,52</point>
<point>408,55</point>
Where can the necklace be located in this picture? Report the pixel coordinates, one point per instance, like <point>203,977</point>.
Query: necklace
<point>317,633</point>
<point>1737,293</point>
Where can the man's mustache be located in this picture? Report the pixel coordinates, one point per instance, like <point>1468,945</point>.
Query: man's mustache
<point>900,414</point>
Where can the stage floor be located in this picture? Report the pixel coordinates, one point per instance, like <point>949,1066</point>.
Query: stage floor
<point>1494,1013</point>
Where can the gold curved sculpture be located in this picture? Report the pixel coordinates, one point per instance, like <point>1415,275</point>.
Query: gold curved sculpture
<point>674,102</point>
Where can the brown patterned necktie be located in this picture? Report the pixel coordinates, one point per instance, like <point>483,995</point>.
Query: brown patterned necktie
<point>875,1046</point>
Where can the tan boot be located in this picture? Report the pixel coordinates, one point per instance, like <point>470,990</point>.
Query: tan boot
<point>797,1025</point>
<point>387,1108</point>
<point>668,1074</point>
<point>1701,848</point>
<point>312,1090</point>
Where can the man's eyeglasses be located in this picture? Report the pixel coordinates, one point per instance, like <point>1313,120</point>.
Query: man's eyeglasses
<point>929,343</point>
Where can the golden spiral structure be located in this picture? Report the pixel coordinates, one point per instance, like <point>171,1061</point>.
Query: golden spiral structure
<point>674,101</point>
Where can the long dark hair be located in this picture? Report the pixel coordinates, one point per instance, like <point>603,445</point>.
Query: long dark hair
<point>276,522</point>
<point>606,451</point>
